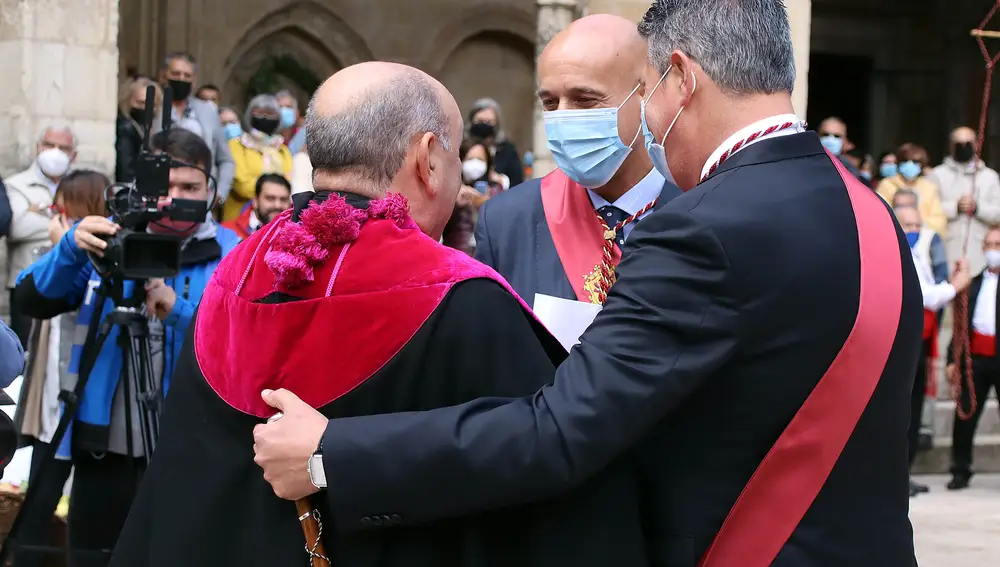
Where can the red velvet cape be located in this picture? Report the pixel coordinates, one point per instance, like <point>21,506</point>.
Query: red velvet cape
<point>363,299</point>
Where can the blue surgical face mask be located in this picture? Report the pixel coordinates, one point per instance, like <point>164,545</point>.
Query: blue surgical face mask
<point>655,150</point>
<point>910,170</point>
<point>888,170</point>
<point>232,130</point>
<point>833,144</point>
<point>912,237</point>
<point>287,117</point>
<point>585,143</point>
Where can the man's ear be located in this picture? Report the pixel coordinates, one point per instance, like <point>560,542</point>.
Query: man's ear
<point>424,156</point>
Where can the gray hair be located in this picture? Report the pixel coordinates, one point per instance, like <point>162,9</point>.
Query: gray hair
<point>57,127</point>
<point>483,104</point>
<point>181,55</point>
<point>905,193</point>
<point>744,46</point>
<point>372,137</point>
<point>263,101</point>
<point>287,94</point>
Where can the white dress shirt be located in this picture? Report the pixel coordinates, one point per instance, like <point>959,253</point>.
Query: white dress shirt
<point>984,315</point>
<point>936,295</point>
<point>634,199</point>
<point>758,126</point>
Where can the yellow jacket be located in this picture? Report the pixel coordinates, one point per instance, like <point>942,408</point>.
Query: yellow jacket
<point>928,200</point>
<point>249,165</point>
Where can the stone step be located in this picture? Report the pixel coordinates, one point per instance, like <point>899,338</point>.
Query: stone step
<point>942,419</point>
<point>985,456</point>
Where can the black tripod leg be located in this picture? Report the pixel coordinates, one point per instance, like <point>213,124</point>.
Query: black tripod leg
<point>154,390</point>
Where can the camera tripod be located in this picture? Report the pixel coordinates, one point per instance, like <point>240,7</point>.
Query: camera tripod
<point>133,342</point>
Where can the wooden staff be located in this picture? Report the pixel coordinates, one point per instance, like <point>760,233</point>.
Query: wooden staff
<point>313,530</point>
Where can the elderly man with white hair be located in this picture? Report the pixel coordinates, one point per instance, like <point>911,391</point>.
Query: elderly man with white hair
<point>30,193</point>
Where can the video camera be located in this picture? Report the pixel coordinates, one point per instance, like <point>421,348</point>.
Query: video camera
<point>133,253</point>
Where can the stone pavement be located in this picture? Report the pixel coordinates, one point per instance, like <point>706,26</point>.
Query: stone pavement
<point>952,529</point>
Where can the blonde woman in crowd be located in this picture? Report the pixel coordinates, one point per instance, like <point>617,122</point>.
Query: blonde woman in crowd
<point>912,161</point>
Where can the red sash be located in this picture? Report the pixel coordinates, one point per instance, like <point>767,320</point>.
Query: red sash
<point>790,477</point>
<point>983,345</point>
<point>931,332</point>
<point>576,231</point>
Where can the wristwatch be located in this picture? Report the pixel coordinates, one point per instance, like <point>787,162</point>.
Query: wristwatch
<point>317,474</point>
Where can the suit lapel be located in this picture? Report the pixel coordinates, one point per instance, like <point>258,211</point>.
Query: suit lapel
<point>974,287</point>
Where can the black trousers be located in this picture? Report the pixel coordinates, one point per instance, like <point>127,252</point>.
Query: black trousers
<point>99,502</point>
<point>985,375</point>
<point>19,322</point>
<point>46,493</point>
<point>917,399</point>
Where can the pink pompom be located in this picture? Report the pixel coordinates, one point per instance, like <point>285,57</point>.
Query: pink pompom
<point>289,270</point>
<point>333,222</point>
<point>393,207</point>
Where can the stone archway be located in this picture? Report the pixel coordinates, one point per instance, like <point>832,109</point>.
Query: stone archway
<point>295,47</point>
<point>491,53</point>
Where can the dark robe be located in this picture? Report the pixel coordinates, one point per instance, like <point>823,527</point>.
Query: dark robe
<point>203,501</point>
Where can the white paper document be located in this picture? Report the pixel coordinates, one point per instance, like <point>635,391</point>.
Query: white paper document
<point>564,318</point>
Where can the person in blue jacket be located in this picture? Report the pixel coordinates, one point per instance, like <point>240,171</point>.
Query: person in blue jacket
<point>11,356</point>
<point>106,468</point>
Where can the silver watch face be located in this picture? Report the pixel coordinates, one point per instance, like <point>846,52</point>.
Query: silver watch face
<point>317,474</point>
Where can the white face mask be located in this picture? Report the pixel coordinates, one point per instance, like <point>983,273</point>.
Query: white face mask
<point>993,259</point>
<point>473,170</point>
<point>53,162</point>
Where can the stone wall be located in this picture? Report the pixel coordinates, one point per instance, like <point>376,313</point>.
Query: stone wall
<point>59,60</point>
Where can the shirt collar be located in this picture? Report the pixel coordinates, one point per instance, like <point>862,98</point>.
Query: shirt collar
<point>42,179</point>
<point>988,275</point>
<point>254,221</point>
<point>640,195</point>
<point>758,126</point>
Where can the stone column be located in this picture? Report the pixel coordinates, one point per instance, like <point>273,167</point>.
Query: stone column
<point>553,17</point>
<point>800,17</point>
<point>59,61</point>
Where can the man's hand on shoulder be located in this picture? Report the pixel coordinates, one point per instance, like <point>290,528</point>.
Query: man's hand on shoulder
<point>282,447</point>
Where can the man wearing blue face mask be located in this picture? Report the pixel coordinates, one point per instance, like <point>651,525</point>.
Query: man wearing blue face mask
<point>290,125</point>
<point>833,135</point>
<point>561,236</point>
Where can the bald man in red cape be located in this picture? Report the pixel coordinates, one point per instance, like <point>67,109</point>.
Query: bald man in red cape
<point>349,302</point>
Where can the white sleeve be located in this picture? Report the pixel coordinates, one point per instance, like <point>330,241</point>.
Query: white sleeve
<point>935,295</point>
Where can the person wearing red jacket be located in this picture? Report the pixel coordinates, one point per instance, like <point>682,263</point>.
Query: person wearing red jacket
<point>273,194</point>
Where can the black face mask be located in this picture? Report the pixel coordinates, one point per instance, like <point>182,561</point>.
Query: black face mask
<point>265,125</point>
<point>138,114</point>
<point>482,130</point>
<point>180,90</point>
<point>964,152</point>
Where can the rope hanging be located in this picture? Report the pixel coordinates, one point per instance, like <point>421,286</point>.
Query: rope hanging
<point>961,351</point>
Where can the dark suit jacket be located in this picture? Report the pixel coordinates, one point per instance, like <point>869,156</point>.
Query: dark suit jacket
<point>974,287</point>
<point>513,238</point>
<point>731,303</point>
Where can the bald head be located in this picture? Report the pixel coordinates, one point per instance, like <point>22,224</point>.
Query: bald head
<point>365,118</point>
<point>962,144</point>
<point>379,127</point>
<point>600,56</point>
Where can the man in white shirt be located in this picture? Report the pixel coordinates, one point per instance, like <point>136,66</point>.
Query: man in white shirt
<point>936,296</point>
<point>982,327</point>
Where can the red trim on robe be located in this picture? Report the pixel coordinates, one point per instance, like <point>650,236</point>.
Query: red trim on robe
<point>794,471</point>
<point>576,230</point>
<point>982,345</point>
<point>391,280</point>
